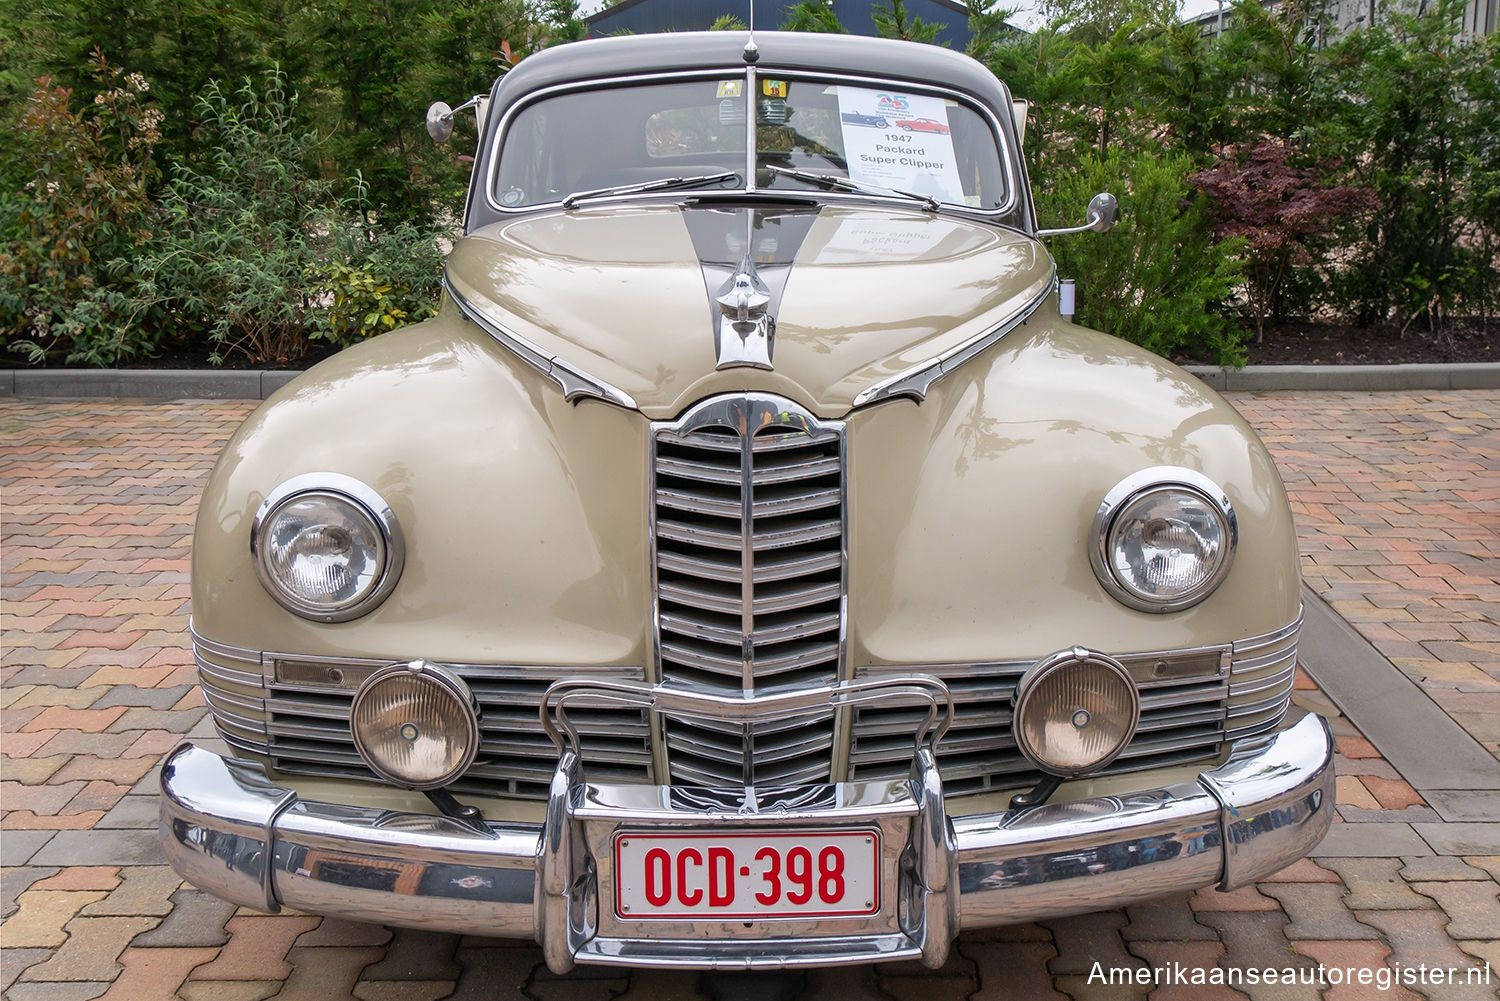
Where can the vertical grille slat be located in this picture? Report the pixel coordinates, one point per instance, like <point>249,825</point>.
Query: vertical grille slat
<point>748,537</point>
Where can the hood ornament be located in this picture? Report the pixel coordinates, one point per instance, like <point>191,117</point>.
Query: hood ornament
<point>747,330</point>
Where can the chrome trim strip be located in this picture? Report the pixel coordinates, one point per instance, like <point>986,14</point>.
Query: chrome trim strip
<point>572,381</point>
<point>917,380</point>
<point>220,829</point>
<point>1002,145</point>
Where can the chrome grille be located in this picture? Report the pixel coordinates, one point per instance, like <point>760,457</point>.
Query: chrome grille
<point>748,545</point>
<point>295,711</point>
<point>1191,702</point>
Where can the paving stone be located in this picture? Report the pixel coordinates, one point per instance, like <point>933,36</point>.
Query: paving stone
<point>83,877</point>
<point>1465,804</point>
<point>1417,938</point>
<point>417,955</point>
<point>1010,971</point>
<point>18,848</point>
<point>91,951</point>
<point>147,890</point>
<point>1439,867</point>
<point>196,919</point>
<point>661,985</point>
<point>1257,941</point>
<point>32,771</point>
<point>325,974</point>
<point>1087,939</point>
<point>402,990</point>
<point>100,848</point>
<point>337,931</point>
<point>150,698</point>
<point>1393,794</point>
<point>1486,951</point>
<point>1371,841</point>
<point>1408,815</point>
<point>1165,919</point>
<point>39,922</point>
<point>956,980</point>
<point>55,992</point>
<point>1099,987</point>
<point>132,813</point>
<point>1374,884</point>
<point>228,990</point>
<point>1028,932</point>
<point>756,985</point>
<point>150,974</point>
<point>15,881</point>
<point>1474,908</point>
<point>502,974</point>
<point>101,757</point>
<point>1246,898</point>
<point>1317,912</point>
<point>15,961</point>
<point>1345,964</point>
<point>257,948</point>
<point>1461,838</point>
<point>1489,863</point>
<point>1350,791</point>
<point>1304,870</point>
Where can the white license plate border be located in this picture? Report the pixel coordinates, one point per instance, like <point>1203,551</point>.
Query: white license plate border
<point>877,896</point>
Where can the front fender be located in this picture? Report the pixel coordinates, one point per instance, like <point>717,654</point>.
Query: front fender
<point>971,513</point>
<point>524,515</point>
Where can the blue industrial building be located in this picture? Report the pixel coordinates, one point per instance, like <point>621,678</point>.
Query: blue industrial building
<point>643,16</point>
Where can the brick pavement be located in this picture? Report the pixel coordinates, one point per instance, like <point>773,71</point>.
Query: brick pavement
<point>97,507</point>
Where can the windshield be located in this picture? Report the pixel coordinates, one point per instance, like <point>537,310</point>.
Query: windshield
<point>628,136</point>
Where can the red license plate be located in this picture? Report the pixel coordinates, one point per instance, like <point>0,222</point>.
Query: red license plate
<point>752,874</point>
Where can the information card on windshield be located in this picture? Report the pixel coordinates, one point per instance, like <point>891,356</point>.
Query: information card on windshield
<point>900,140</point>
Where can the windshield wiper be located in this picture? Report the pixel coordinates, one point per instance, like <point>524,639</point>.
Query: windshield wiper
<point>657,185</point>
<point>930,203</point>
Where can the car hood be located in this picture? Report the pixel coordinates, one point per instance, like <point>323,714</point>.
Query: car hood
<point>860,295</point>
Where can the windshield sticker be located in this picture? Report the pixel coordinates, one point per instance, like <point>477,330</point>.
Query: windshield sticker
<point>900,140</point>
<point>773,88</point>
<point>729,88</point>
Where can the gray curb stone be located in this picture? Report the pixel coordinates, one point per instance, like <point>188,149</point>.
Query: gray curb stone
<point>177,384</point>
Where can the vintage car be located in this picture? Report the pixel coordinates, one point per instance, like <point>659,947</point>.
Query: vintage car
<point>749,566</point>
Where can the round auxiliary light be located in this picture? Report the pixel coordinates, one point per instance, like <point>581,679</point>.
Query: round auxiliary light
<point>326,547</point>
<point>1075,711</point>
<point>415,725</point>
<point>1164,539</point>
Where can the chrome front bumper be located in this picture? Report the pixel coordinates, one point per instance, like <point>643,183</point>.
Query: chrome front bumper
<point>230,830</point>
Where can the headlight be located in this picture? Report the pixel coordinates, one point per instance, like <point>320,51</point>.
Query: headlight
<point>1163,539</point>
<point>326,547</point>
<point>415,725</point>
<point>1075,711</point>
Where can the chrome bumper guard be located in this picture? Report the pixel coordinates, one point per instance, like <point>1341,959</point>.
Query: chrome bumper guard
<point>228,829</point>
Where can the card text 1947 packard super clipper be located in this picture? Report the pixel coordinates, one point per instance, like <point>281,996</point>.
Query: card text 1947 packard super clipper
<point>749,566</point>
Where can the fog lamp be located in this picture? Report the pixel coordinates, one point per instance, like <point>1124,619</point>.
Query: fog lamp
<point>1075,711</point>
<point>415,725</point>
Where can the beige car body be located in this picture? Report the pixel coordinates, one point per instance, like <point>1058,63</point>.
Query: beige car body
<point>511,437</point>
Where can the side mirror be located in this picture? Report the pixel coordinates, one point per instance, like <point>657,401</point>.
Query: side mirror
<point>440,116</point>
<point>1103,213</point>
<point>439,121</point>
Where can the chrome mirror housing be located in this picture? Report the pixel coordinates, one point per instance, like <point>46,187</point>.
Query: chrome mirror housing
<point>1103,213</point>
<point>439,121</point>
<point>440,116</point>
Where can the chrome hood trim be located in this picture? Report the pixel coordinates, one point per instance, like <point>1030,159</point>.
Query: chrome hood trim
<point>869,301</point>
<point>574,383</point>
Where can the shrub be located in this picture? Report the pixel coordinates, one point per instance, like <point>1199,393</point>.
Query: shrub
<point>379,279</point>
<point>1158,278</point>
<point>85,202</point>
<point>240,236</point>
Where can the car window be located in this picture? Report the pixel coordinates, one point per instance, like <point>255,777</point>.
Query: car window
<point>895,137</point>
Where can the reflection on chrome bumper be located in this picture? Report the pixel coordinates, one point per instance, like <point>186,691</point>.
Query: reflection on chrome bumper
<point>231,831</point>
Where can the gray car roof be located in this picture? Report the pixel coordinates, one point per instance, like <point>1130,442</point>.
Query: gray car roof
<point>788,50</point>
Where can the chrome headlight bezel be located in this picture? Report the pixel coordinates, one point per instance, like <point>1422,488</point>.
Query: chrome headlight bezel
<point>366,504</point>
<point>1133,490</point>
<point>444,684</point>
